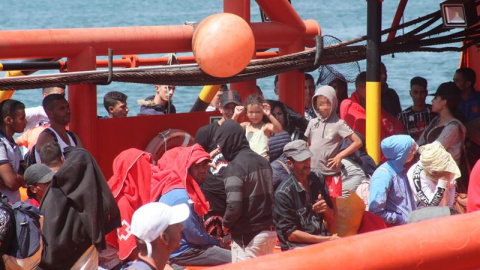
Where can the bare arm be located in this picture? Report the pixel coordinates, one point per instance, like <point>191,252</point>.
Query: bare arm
<point>79,141</point>
<point>356,144</point>
<point>11,180</point>
<point>330,215</point>
<point>237,112</point>
<point>298,236</point>
<point>274,126</point>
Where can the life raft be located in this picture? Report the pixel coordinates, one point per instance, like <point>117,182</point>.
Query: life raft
<point>167,140</point>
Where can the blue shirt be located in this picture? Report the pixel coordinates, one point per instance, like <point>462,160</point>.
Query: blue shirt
<point>193,234</point>
<point>471,108</point>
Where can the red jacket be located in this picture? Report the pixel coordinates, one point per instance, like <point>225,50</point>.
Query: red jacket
<point>473,202</point>
<point>355,115</point>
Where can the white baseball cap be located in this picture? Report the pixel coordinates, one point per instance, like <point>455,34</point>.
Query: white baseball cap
<point>152,219</point>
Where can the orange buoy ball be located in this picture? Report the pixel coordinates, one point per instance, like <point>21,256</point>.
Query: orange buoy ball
<point>223,45</point>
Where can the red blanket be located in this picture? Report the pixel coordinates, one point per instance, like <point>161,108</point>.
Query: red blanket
<point>130,185</point>
<point>177,176</point>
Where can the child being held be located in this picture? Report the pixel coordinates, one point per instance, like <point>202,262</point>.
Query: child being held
<point>258,130</point>
<point>325,134</point>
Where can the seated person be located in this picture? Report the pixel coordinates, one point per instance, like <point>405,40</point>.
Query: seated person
<point>278,161</point>
<point>157,229</point>
<point>116,104</point>
<point>179,184</point>
<point>432,179</point>
<point>302,203</point>
<point>390,195</point>
<point>160,103</point>
<point>38,178</point>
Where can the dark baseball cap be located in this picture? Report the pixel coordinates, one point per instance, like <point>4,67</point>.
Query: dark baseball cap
<point>38,174</point>
<point>230,96</point>
<point>447,89</point>
<point>297,150</point>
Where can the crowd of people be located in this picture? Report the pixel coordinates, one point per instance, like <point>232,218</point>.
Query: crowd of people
<point>261,176</point>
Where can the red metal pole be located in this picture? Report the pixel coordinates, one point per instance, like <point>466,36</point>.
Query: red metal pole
<point>242,9</point>
<point>397,18</point>
<point>291,83</point>
<point>70,42</point>
<point>283,12</point>
<point>24,44</point>
<point>83,101</point>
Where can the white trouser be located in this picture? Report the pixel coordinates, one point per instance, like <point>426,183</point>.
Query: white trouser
<point>263,243</point>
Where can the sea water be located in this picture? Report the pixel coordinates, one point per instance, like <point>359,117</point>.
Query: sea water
<point>344,19</point>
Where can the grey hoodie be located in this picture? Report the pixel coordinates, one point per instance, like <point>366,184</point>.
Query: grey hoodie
<point>326,134</point>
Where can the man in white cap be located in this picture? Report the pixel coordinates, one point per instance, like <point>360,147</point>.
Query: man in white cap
<point>157,228</point>
<point>302,202</point>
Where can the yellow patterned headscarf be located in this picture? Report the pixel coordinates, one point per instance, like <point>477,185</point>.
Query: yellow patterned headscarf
<point>434,158</point>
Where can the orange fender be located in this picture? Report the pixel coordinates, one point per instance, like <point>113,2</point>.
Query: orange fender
<point>443,243</point>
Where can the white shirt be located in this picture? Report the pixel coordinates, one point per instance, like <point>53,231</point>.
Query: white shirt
<point>35,116</point>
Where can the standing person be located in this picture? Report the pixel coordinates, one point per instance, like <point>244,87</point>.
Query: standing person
<point>306,191</point>
<point>325,134</point>
<point>13,121</point>
<point>465,79</point>
<point>116,104</point>
<point>58,111</point>
<point>309,89</point>
<point>215,103</point>
<point>248,184</point>
<point>38,178</point>
<point>278,161</point>
<point>157,228</point>
<point>37,120</point>
<point>36,116</point>
<point>417,117</point>
<point>390,99</point>
<point>180,184</point>
<point>258,130</point>
<point>160,103</point>
<point>390,195</point>
<point>213,188</point>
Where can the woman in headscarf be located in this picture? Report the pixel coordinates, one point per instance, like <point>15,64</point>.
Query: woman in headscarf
<point>432,179</point>
<point>390,195</point>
